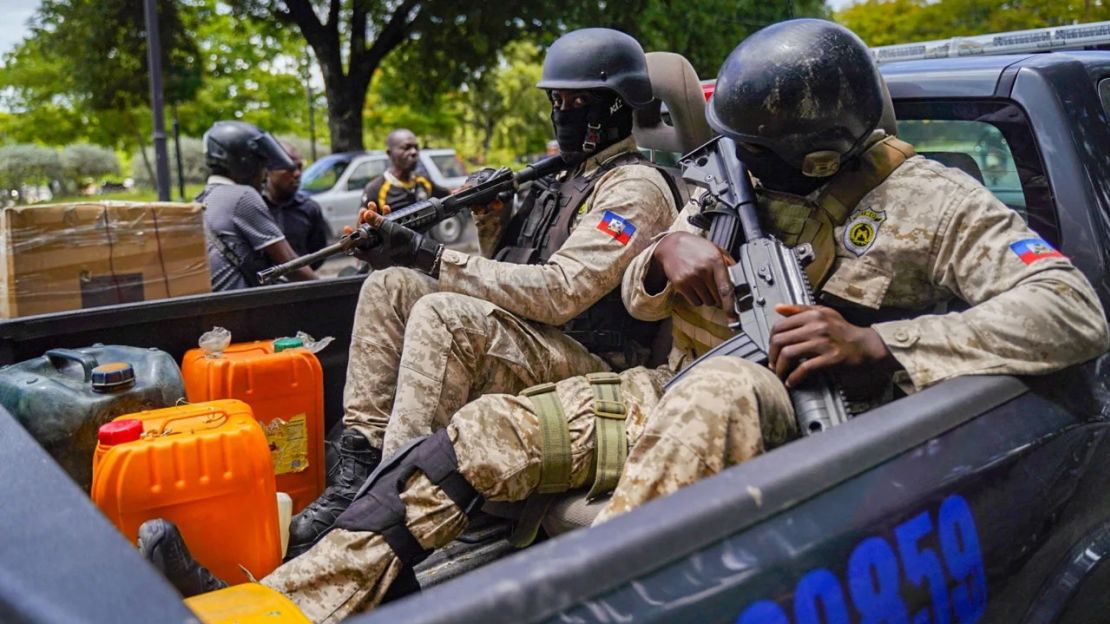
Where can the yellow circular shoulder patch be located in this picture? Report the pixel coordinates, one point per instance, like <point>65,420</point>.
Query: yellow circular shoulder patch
<point>862,230</point>
<point>862,234</point>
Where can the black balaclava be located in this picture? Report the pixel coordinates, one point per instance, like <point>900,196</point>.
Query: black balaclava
<point>776,174</point>
<point>592,128</point>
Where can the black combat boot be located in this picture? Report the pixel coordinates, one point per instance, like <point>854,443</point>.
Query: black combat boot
<point>161,544</point>
<point>357,459</point>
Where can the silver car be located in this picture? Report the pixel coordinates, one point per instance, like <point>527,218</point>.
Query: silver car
<point>336,182</point>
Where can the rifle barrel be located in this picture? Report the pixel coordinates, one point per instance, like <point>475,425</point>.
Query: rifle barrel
<point>445,207</point>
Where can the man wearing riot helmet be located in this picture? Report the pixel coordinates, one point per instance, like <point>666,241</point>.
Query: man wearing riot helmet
<point>242,234</point>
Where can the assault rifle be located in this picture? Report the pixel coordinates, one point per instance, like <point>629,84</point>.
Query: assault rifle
<point>428,212</point>
<point>766,273</point>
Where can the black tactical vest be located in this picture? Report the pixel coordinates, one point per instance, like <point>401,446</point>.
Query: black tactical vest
<point>540,228</point>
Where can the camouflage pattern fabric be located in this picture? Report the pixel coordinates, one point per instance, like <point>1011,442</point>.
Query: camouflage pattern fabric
<point>499,444</point>
<point>494,331</point>
<point>934,234</point>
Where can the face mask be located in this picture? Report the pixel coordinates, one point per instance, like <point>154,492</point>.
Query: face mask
<point>570,128</point>
<point>776,174</point>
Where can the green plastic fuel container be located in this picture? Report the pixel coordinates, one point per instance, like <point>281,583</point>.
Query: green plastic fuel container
<point>63,397</point>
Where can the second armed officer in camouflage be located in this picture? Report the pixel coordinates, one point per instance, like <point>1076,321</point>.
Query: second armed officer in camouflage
<point>541,304</point>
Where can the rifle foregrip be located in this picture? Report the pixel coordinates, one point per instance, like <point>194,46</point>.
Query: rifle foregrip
<point>818,405</point>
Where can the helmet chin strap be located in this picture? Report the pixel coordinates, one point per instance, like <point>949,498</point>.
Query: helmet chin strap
<point>598,116</point>
<point>595,127</point>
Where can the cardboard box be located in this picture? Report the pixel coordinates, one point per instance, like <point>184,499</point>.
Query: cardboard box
<point>72,256</point>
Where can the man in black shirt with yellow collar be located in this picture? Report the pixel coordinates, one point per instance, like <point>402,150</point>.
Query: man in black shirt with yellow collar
<point>401,185</point>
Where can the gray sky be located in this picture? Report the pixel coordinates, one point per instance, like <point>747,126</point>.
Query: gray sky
<point>13,21</point>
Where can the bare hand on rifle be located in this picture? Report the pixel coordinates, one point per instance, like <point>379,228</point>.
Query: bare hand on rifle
<point>696,268</point>
<point>814,337</point>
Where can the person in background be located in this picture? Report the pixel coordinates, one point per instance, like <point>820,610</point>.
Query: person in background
<point>401,185</point>
<point>297,214</point>
<point>242,235</point>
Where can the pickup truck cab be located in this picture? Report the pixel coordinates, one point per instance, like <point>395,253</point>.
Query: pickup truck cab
<point>981,499</point>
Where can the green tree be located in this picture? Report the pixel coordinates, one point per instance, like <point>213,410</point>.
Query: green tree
<point>22,165</point>
<point>887,22</point>
<point>82,162</point>
<point>704,31</point>
<point>440,41</point>
<point>250,73</point>
<point>503,111</point>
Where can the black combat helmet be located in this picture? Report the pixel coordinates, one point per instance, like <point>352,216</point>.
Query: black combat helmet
<point>598,58</point>
<point>240,150</point>
<point>609,65</point>
<point>806,90</point>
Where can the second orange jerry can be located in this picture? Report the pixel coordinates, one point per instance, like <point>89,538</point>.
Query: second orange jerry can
<point>284,384</point>
<point>203,466</point>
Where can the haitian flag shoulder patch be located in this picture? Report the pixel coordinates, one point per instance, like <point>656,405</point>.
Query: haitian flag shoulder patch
<point>618,227</point>
<point>1032,249</point>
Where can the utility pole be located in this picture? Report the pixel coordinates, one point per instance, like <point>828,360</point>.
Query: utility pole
<point>177,152</point>
<point>311,102</point>
<point>154,61</point>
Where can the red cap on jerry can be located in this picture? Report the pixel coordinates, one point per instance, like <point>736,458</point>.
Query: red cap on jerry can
<point>120,431</point>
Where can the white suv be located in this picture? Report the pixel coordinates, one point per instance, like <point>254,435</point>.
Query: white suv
<point>336,182</point>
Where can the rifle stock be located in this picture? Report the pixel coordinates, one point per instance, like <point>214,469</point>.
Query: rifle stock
<point>767,273</point>
<point>428,212</point>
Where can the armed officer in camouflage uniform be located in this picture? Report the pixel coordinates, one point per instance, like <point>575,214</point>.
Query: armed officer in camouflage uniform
<point>936,235</point>
<point>542,303</point>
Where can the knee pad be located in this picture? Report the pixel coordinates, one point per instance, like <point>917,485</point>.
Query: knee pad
<point>378,506</point>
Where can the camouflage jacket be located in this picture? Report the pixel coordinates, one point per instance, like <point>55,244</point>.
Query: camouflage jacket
<point>588,265</point>
<point>924,236</point>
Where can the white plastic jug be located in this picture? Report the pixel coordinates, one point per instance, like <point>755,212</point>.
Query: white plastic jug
<point>285,516</point>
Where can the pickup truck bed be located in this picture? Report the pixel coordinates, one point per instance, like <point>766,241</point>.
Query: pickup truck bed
<point>982,499</point>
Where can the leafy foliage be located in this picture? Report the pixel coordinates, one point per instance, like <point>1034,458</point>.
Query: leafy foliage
<point>22,165</point>
<point>82,162</point>
<point>97,51</point>
<point>446,39</point>
<point>192,158</point>
<point>886,22</point>
<point>704,32</point>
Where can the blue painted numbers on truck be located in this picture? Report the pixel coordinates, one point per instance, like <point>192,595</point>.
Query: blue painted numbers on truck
<point>896,581</point>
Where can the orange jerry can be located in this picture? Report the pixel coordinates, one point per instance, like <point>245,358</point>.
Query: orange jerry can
<point>205,467</point>
<point>284,385</point>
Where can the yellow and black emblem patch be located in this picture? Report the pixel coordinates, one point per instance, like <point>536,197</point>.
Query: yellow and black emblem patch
<point>862,230</point>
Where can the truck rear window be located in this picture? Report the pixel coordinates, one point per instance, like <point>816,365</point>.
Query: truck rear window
<point>993,143</point>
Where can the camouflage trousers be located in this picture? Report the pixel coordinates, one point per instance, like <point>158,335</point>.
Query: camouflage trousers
<point>724,413</point>
<point>418,355</point>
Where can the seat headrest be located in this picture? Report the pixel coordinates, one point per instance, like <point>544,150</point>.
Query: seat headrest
<point>888,122</point>
<point>673,81</point>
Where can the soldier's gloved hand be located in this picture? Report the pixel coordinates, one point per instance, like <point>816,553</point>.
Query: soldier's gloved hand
<point>399,245</point>
<point>695,267</point>
<point>813,337</point>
